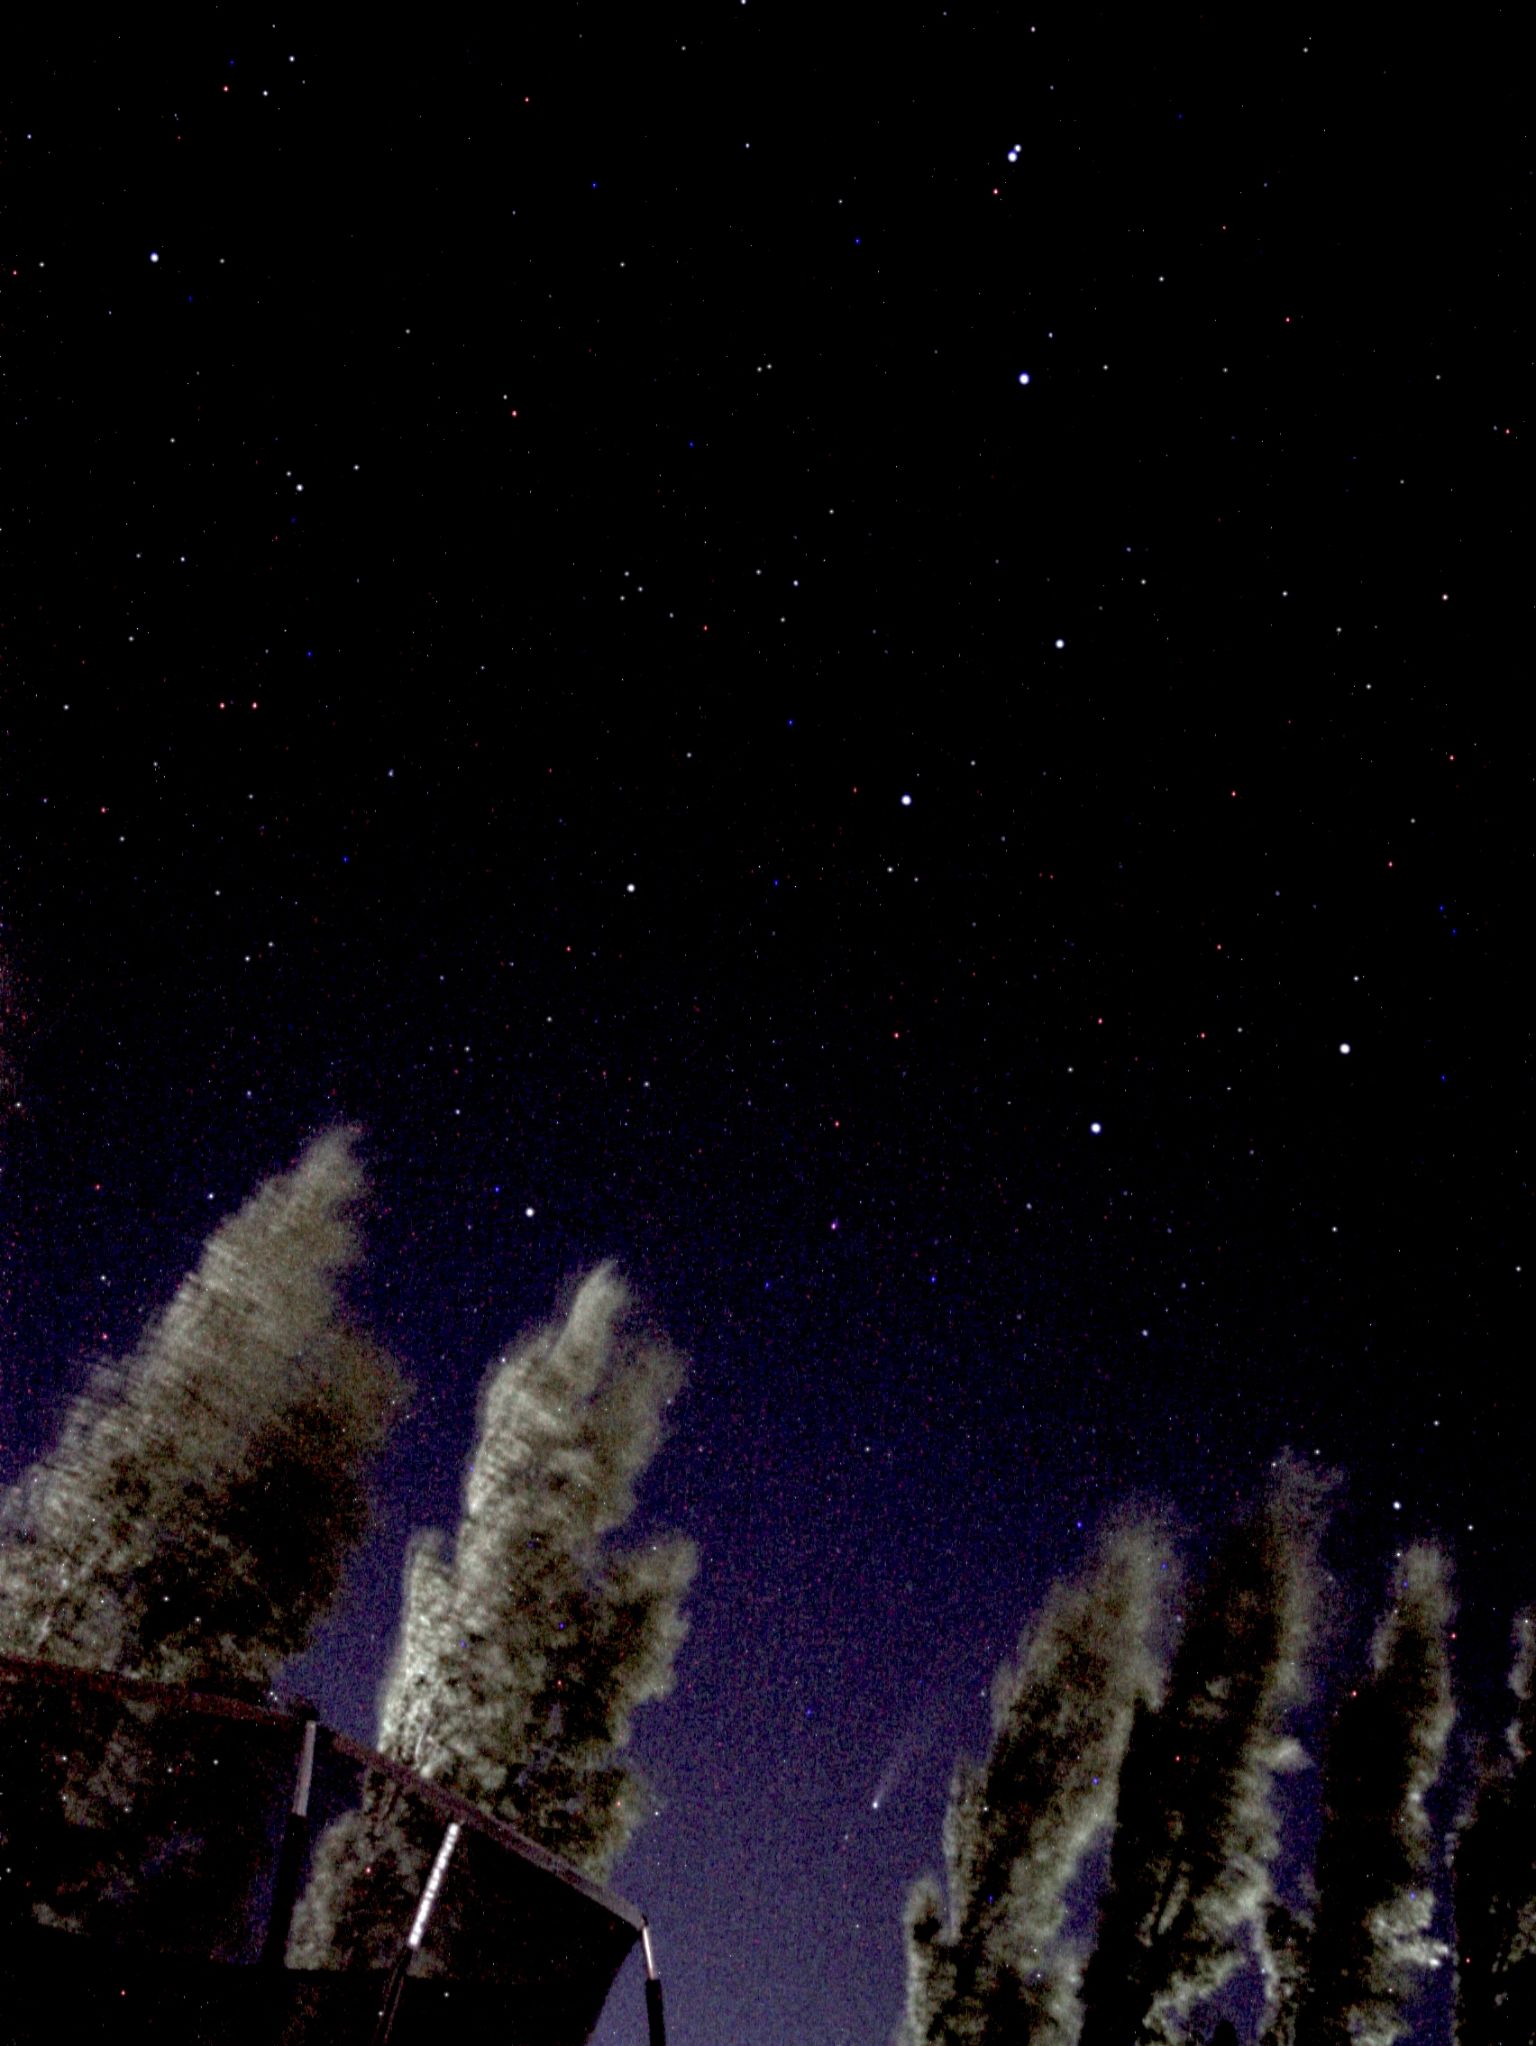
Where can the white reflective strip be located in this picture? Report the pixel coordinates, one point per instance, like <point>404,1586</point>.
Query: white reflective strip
<point>306,1772</point>
<point>650,1958</point>
<point>434,1884</point>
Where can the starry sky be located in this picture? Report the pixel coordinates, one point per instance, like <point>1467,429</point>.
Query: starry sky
<point>875,672</point>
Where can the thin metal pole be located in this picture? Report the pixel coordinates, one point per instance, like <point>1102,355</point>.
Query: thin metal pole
<point>290,1857</point>
<point>394,1988</point>
<point>655,2010</point>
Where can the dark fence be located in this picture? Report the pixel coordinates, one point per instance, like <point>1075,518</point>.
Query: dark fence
<point>153,1842</point>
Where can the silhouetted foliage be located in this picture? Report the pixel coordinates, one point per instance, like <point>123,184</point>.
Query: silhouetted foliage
<point>193,1522</point>
<point>1495,1878</point>
<point>1375,1860</point>
<point>192,1525</point>
<point>1189,1895</point>
<point>1190,1869</point>
<point>986,1964</point>
<point>523,1655</point>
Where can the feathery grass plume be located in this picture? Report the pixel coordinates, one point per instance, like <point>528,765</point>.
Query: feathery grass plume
<point>523,1655</point>
<point>1189,1882</point>
<point>195,1518</point>
<point>191,1525</point>
<point>1495,1878</point>
<point>992,1967</point>
<point>1286,1932</point>
<point>1375,1858</point>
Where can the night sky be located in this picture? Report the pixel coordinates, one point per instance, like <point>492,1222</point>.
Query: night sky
<point>878,669</point>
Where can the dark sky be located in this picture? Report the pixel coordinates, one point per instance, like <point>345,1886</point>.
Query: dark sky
<point>880,670</point>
